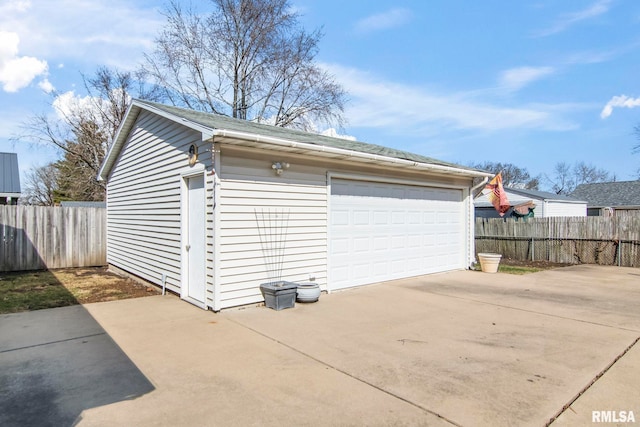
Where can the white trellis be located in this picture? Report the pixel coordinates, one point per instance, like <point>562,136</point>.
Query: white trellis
<point>273,225</point>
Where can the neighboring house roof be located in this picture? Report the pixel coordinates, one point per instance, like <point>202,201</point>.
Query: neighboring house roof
<point>9,175</point>
<point>543,196</point>
<point>610,194</point>
<point>83,204</point>
<point>253,134</point>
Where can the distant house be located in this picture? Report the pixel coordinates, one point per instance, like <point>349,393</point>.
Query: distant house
<point>9,179</point>
<point>544,204</point>
<point>610,198</point>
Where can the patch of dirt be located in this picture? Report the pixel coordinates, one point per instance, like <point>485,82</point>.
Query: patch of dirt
<point>96,284</point>
<point>545,265</point>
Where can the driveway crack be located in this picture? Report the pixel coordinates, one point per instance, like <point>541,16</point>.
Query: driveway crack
<point>52,342</point>
<point>592,382</point>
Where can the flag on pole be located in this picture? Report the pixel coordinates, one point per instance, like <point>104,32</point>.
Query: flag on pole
<point>496,194</point>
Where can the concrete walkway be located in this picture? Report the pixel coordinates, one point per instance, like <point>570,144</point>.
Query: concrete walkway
<point>462,348</point>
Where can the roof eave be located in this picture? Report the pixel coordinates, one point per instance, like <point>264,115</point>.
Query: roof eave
<point>254,140</point>
<point>577,202</point>
<point>295,147</point>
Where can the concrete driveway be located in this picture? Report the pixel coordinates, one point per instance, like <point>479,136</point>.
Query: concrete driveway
<point>56,363</point>
<point>462,348</point>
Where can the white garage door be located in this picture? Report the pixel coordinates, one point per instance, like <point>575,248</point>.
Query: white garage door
<point>381,231</point>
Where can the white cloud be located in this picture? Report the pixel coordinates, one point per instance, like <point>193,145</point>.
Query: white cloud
<point>377,103</point>
<point>621,101</point>
<point>596,9</point>
<point>71,106</point>
<point>334,134</point>
<point>17,72</point>
<point>46,86</point>
<point>15,6</point>
<point>109,32</point>
<point>382,21</point>
<point>66,104</point>
<point>516,78</point>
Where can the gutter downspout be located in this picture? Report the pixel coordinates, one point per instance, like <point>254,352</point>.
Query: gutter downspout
<point>472,217</point>
<point>481,184</point>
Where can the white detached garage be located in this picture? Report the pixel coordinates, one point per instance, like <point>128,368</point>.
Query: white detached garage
<point>185,188</point>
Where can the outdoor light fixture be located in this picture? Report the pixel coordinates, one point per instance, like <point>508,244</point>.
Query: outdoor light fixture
<point>279,167</point>
<point>193,154</point>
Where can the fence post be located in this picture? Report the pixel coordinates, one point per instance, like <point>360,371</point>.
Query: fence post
<point>533,250</point>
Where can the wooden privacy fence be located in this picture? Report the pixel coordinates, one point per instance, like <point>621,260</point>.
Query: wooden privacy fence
<point>37,237</point>
<point>572,240</point>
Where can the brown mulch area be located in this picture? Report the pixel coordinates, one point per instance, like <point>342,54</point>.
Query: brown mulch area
<point>36,290</point>
<point>97,284</point>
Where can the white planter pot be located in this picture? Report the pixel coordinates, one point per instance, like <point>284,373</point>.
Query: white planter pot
<point>489,262</point>
<point>308,292</point>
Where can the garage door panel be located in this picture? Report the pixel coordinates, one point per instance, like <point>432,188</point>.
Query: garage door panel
<point>339,217</point>
<point>385,231</point>
<point>380,243</point>
<point>361,244</point>
<point>381,268</point>
<point>361,217</point>
<point>340,246</point>
<point>414,241</point>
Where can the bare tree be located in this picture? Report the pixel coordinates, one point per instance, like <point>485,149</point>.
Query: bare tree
<point>40,186</point>
<point>84,128</point>
<point>110,91</point>
<point>566,178</point>
<point>561,181</point>
<point>512,175</point>
<point>248,59</point>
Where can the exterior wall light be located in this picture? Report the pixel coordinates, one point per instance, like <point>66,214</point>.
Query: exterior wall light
<point>279,167</point>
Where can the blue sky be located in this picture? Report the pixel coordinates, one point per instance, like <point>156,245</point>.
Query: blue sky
<point>528,82</point>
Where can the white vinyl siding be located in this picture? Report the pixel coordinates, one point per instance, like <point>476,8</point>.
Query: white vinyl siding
<point>249,186</point>
<point>143,200</point>
<point>552,208</point>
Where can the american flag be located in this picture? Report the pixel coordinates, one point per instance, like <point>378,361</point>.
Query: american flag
<point>496,195</point>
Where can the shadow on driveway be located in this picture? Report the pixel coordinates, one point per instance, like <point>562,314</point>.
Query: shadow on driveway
<point>55,363</point>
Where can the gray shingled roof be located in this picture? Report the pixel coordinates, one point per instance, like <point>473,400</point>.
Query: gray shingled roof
<point>215,121</point>
<point>544,195</point>
<point>609,194</point>
<point>9,174</point>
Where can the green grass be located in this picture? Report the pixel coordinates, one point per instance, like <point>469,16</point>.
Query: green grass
<point>35,290</point>
<point>512,269</point>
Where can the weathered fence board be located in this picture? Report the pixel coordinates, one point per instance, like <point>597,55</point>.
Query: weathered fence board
<point>37,237</point>
<point>572,240</point>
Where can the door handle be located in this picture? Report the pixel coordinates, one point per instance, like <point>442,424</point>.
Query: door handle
<point>187,247</point>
